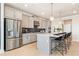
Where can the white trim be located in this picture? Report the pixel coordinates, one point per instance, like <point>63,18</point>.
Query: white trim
<point>2,27</point>
<point>75,40</point>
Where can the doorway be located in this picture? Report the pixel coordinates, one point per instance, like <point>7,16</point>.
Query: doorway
<point>68,25</point>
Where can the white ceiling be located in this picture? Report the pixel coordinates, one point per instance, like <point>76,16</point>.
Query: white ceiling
<point>44,9</point>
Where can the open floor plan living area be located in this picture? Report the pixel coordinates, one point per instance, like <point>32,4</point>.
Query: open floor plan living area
<point>39,29</point>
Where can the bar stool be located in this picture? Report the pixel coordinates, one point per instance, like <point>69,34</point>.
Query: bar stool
<point>69,40</point>
<point>60,44</point>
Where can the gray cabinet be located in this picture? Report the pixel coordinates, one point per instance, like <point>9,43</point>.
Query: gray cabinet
<point>33,37</point>
<point>26,38</point>
<point>29,37</point>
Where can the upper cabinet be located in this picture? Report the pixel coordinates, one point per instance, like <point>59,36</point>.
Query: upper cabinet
<point>25,21</point>
<point>18,14</point>
<point>42,23</point>
<point>9,12</point>
<point>12,13</point>
<point>31,22</point>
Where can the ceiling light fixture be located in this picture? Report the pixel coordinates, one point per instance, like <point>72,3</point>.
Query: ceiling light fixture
<point>74,12</point>
<point>26,5</point>
<point>73,3</point>
<point>42,13</point>
<point>51,17</point>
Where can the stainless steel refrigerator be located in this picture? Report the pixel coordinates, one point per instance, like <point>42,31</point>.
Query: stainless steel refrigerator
<point>12,29</point>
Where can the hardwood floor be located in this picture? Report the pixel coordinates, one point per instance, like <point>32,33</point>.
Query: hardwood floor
<point>31,50</point>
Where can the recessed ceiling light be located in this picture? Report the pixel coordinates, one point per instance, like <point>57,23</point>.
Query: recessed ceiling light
<point>73,3</point>
<point>74,12</point>
<point>42,13</point>
<point>51,18</point>
<point>26,5</point>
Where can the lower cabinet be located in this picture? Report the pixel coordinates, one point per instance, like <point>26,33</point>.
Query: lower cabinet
<point>28,38</point>
<point>33,37</point>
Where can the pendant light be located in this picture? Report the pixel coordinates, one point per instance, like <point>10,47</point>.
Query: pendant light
<point>51,16</point>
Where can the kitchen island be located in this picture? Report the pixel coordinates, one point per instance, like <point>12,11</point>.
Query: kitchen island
<point>44,42</point>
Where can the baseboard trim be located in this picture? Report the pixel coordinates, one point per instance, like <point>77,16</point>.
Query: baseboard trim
<point>76,40</point>
<point>29,43</point>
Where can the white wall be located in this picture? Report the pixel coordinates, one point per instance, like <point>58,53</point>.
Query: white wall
<point>75,26</point>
